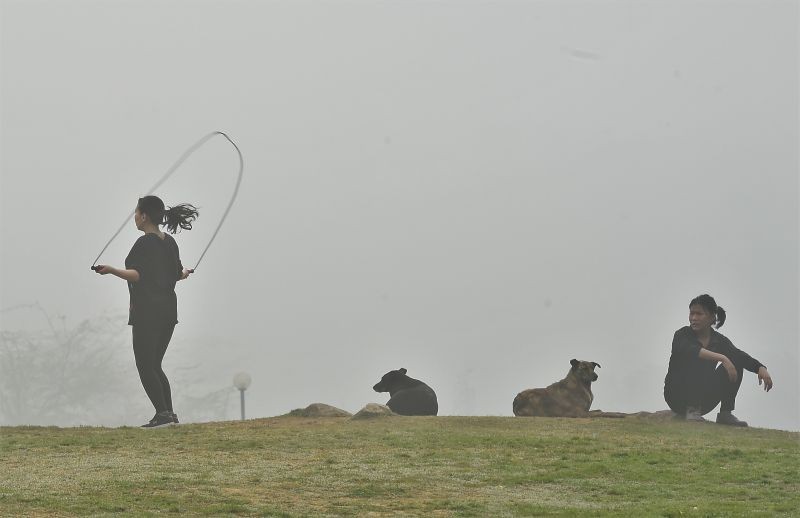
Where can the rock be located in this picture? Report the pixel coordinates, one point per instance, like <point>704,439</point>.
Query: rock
<point>319,410</point>
<point>373,410</point>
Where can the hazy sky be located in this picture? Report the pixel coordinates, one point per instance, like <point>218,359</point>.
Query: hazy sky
<point>476,191</point>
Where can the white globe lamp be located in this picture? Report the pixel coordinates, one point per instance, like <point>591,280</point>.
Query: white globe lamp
<point>241,381</point>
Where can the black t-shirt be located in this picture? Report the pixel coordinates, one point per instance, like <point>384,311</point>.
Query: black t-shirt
<point>159,265</point>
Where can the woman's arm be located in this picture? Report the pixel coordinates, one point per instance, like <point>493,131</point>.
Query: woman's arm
<point>128,275</point>
<point>743,359</point>
<point>705,354</point>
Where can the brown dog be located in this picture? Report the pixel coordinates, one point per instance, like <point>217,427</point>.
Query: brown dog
<point>570,397</point>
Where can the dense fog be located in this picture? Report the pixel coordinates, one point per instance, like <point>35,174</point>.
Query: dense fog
<point>475,191</point>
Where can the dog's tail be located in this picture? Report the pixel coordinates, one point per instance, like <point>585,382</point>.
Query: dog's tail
<point>600,413</point>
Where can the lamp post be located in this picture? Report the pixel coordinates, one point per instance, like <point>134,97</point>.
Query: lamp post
<point>241,381</point>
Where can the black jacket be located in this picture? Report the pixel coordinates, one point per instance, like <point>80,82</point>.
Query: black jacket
<point>686,350</point>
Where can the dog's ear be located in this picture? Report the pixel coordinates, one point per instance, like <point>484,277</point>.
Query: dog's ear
<point>403,370</point>
<point>574,363</point>
<point>595,364</point>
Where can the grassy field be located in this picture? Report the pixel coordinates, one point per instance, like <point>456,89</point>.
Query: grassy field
<point>412,466</point>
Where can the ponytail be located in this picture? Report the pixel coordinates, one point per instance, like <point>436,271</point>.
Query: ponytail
<point>720,317</point>
<point>180,216</point>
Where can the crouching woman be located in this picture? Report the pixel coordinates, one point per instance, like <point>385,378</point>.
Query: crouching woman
<point>695,384</point>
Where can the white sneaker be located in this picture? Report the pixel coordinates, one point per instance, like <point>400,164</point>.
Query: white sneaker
<point>694,415</point>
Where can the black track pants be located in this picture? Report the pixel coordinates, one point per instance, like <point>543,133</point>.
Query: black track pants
<point>150,342</point>
<point>705,391</point>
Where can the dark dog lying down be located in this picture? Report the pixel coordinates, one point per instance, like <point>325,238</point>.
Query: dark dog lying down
<point>570,397</point>
<point>408,396</point>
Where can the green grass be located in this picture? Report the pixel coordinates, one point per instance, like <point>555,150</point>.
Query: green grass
<point>421,466</point>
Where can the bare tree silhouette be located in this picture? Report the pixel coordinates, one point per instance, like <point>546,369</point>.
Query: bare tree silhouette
<point>85,375</point>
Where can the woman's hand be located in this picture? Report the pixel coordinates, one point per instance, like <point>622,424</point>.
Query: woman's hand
<point>104,269</point>
<point>731,369</point>
<point>764,375</point>
<point>186,273</point>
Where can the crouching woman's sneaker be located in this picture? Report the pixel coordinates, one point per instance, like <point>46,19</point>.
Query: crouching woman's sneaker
<point>694,415</point>
<point>160,420</point>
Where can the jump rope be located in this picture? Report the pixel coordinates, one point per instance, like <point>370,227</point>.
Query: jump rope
<point>194,147</point>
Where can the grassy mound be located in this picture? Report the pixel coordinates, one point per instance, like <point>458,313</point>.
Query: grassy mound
<point>423,466</point>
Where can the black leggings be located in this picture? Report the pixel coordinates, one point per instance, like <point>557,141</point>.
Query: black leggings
<point>150,342</point>
<point>703,390</point>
